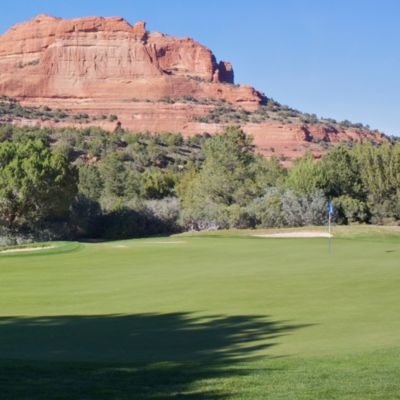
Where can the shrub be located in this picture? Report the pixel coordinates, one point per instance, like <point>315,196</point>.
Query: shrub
<point>350,210</point>
<point>205,216</point>
<point>266,211</point>
<point>315,211</point>
<point>278,207</point>
<point>86,218</point>
<point>165,212</point>
<point>135,219</point>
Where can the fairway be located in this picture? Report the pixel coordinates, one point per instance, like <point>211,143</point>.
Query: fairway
<point>203,317</point>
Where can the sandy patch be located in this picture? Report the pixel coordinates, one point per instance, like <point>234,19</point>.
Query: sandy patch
<point>24,249</point>
<point>123,246</point>
<point>170,242</point>
<point>295,235</point>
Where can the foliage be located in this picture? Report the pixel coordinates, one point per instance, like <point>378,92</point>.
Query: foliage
<point>380,175</point>
<point>227,180</point>
<point>306,176</point>
<point>157,184</point>
<point>267,210</point>
<point>269,111</point>
<point>341,173</point>
<point>166,211</point>
<point>349,209</point>
<point>86,218</point>
<point>98,183</point>
<point>10,108</point>
<point>114,175</point>
<point>90,182</point>
<point>35,184</point>
<point>282,207</point>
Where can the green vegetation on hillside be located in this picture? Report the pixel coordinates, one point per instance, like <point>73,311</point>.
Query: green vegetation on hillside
<point>11,109</point>
<point>220,111</point>
<point>272,111</point>
<point>69,183</point>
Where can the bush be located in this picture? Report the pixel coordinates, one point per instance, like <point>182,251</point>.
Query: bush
<point>292,209</point>
<point>138,220</point>
<point>125,223</point>
<point>41,233</point>
<point>315,209</point>
<point>238,217</point>
<point>278,207</point>
<point>266,211</point>
<point>300,210</point>
<point>86,218</point>
<point>157,184</point>
<point>350,210</point>
<point>208,216</point>
<point>165,213</point>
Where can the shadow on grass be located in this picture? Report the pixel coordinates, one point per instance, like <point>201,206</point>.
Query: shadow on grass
<point>144,356</point>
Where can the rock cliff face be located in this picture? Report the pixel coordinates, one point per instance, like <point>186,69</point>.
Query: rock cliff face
<point>108,58</point>
<point>107,66</point>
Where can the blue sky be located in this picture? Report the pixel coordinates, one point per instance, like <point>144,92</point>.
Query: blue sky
<point>335,58</point>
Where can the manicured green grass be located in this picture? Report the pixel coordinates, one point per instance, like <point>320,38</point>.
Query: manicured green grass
<point>203,317</point>
<point>40,248</point>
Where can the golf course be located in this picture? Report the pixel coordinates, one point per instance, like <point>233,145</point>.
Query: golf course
<point>217,315</point>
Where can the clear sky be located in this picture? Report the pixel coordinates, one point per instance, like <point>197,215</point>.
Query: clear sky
<point>335,58</point>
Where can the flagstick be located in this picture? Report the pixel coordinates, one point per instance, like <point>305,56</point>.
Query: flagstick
<point>329,231</point>
<point>329,224</point>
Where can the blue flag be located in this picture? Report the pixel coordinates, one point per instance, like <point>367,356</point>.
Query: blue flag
<point>330,208</point>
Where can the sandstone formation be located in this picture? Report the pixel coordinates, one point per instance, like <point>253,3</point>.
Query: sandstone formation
<point>107,58</point>
<point>107,66</point>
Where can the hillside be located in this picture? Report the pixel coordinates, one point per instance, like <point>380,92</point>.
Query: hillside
<point>108,73</point>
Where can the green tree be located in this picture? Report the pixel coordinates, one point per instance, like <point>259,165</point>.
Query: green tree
<point>36,184</point>
<point>306,176</point>
<point>228,176</point>
<point>114,175</point>
<point>90,182</point>
<point>158,184</point>
<point>227,182</point>
<point>380,175</point>
<point>269,172</point>
<point>342,173</point>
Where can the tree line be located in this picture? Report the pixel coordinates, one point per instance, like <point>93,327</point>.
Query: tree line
<point>69,183</point>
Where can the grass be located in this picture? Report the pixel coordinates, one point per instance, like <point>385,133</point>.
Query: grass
<point>46,248</point>
<point>203,317</point>
<point>24,246</point>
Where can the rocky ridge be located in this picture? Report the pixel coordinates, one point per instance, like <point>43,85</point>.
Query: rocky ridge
<point>102,66</point>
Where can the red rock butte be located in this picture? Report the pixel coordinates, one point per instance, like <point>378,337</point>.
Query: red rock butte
<point>106,65</point>
<point>106,58</point>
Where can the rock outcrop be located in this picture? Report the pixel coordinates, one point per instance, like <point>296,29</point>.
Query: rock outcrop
<point>107,58</point>
<point>106,66</point>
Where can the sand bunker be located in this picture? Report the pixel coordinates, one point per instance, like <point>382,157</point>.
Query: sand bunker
<point>23,249</point>
<point>169,242</point>
<point>295,235</point>
<point>123,246</point>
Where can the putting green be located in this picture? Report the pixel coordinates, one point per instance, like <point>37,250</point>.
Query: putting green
<point>226,302</point>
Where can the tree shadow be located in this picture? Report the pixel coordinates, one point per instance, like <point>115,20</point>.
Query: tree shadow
<point>143,356</point>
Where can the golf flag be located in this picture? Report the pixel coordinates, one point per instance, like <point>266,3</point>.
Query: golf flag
<point>330,208</point>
